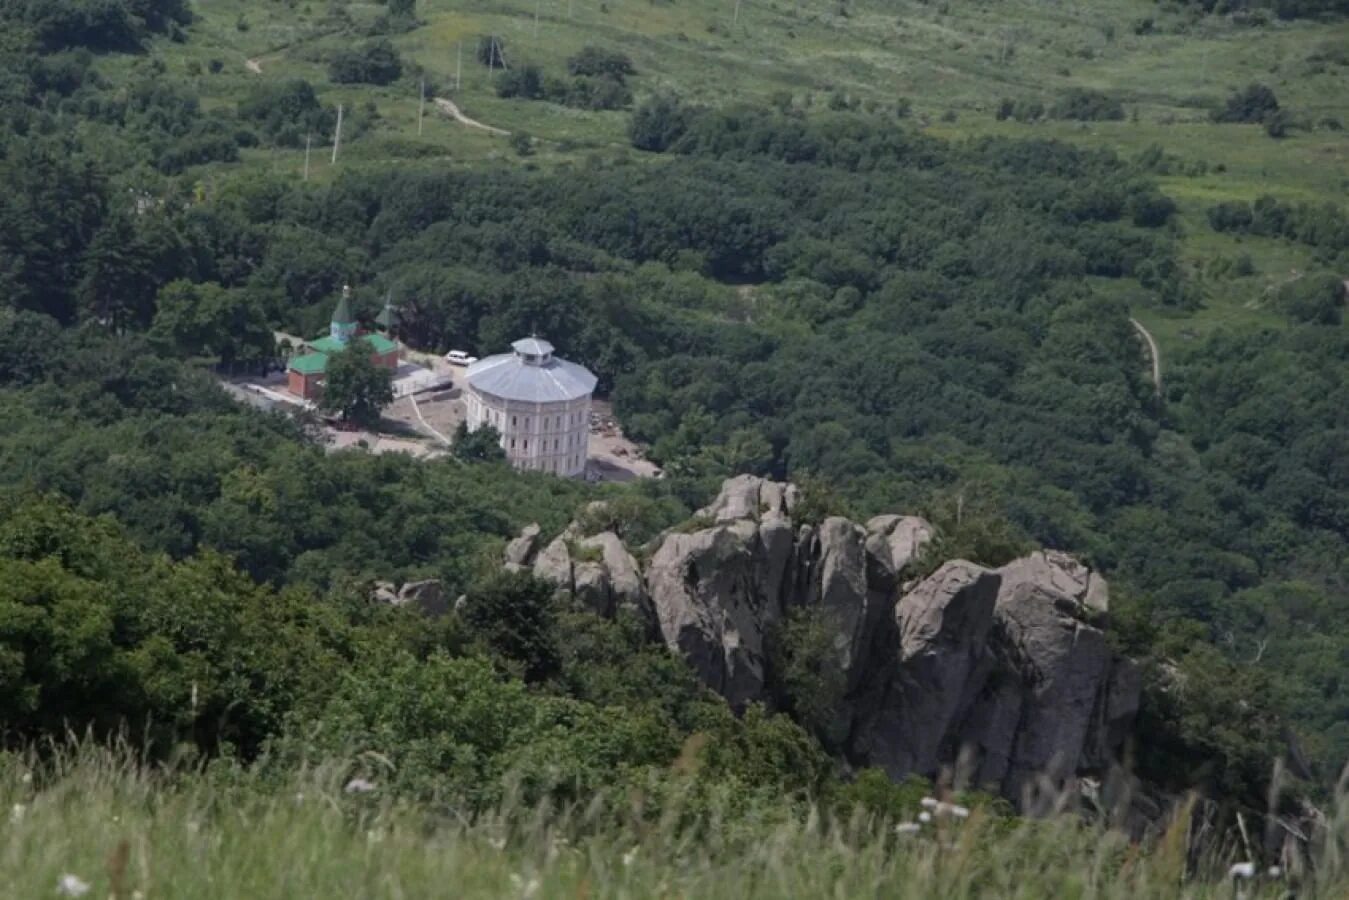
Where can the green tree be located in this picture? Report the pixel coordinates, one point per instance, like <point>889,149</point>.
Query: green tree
<point>658,123</point>
<point>512,613</point>
<point>354,387</point>
<point>206,319</point>
<point>482,445</point>
<point>376,62</point>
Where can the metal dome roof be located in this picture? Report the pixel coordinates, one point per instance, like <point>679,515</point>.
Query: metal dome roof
<point>548,379</point>
<point>532,346</point>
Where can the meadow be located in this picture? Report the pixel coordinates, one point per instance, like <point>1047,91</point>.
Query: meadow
<point>948,65</point>
<point>91,822</point>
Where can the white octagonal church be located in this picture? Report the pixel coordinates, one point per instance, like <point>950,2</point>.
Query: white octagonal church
<point>540,404</point>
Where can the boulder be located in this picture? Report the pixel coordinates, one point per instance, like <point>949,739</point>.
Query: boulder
<point>709,593</point>
<point>520,552</point>
<point>384,592</point>
<point>427,597</point>
<point>1063,574</point>
<point>748,497</point>
<point>903,537</point>
<point>624,584</point>
<point>840,590</point>
<point>939,664</point>
<point>553,564</point>
<point>1058,667</point>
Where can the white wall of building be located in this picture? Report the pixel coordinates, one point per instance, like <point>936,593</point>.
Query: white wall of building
<point>541,437</point>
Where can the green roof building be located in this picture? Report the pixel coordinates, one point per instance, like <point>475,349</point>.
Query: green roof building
<point>305,372</point>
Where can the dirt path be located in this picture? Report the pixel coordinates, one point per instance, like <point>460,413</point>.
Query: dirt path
<point>427,425</point>
<point>1153,353</point>
<point>449,108</point>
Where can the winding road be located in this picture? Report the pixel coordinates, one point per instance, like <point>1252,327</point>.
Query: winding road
<point>451,109</point>
<point>448,107</point>
<point>1153,353</point>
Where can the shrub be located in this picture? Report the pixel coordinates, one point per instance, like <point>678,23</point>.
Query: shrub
<point>1087,105</point>
<point>522,144</point>
<point>1317,298</point>
<point>376,62</point>
<point>599,63</point>
<point>284,111</point>
<point>1254,103</point>
<point>658,123</point>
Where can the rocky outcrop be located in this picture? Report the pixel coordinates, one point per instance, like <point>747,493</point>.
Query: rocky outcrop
<point>1004,673</point>
<point>520,552</point>
<point>597,570</point>
<point>427,596</point>
<point>1064,575</point>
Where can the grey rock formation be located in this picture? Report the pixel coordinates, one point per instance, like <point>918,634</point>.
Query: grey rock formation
<point>598,571</point>
<point>520,552</point>
<point>839,589</point>
<point>427,597</point>
<point>1006,671</point>
<point>941,658</point>
<point>1063,574</point>
<point>903,538</point>
<point>553,564</point>
<point>710,594</point>
<point>624,588</point>
<point>748,497</point>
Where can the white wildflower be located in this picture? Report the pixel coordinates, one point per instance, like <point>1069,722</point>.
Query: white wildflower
<point>1241,870</point>
<point>1275,872</point>
<point>359,786</point>
<point>72,886</point>
<point>908,828</point>
<point>925,817</point>
<point>527,889</point>
<point>952,809</point>
<point>16,813</point>
<point>630,857</point>
<point>27,778</point>
<point>498,843</point>
<point>928,802</point>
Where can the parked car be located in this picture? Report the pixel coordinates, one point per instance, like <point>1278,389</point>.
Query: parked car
<point>460,358</point>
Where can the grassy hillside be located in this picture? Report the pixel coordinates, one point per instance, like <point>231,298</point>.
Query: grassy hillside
<point>952,63</point>
<point>123,833</point>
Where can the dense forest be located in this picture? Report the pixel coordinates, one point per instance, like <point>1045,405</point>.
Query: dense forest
<point>921,325</point>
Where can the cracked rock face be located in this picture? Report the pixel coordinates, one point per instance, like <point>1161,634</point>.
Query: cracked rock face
<point>1004,671</point>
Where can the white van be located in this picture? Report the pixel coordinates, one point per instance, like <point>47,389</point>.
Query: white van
<point>460,358</point>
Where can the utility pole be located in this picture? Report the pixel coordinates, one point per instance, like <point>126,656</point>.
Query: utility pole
<point>421,109</point>
<point>735,19</point>
<point>536,17</point>
<point>459,68</point>
<point>308,141</point>
<point>337,134</point>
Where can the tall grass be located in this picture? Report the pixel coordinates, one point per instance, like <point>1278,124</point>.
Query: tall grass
<point>128,831</point>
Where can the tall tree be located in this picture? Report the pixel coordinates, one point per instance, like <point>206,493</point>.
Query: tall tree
<point>354,387</point>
